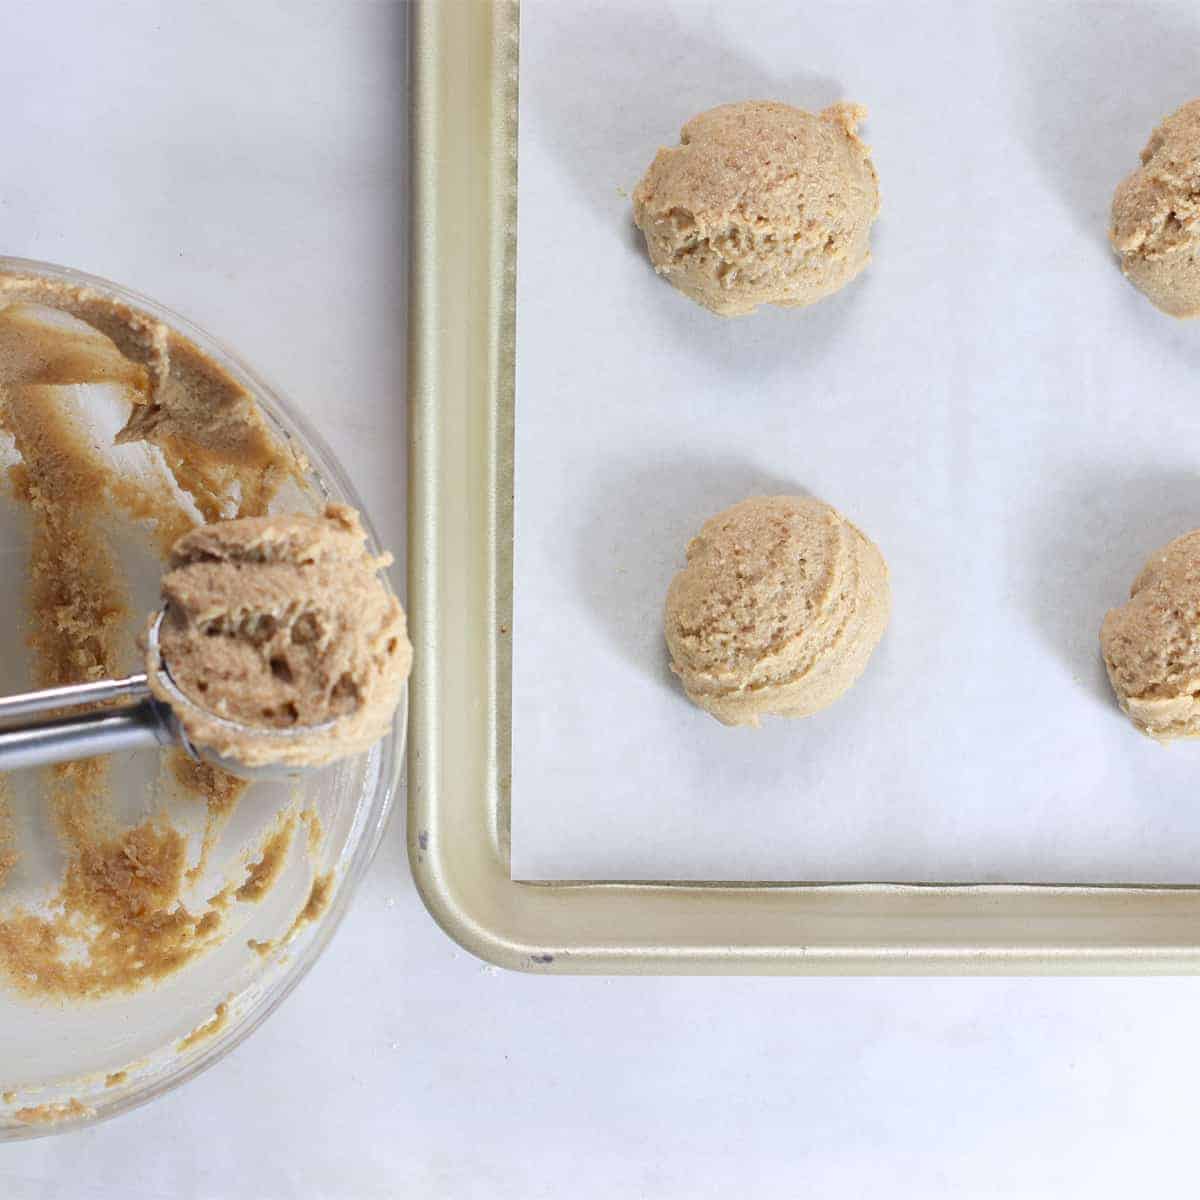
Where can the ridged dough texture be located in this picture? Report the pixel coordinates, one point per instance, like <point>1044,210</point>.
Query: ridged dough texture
<point>1151,644</point>
<point>778,610</point>
<point>282,625</point>
<point>761,203</point>
<point>1156,216</point>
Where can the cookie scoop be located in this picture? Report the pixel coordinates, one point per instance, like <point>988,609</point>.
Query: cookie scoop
<point>278,648</point>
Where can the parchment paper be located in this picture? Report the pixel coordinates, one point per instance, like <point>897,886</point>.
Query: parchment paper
<point>1001,412</point>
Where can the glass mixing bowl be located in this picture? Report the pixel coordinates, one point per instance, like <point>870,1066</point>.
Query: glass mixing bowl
<point>63,1065</point>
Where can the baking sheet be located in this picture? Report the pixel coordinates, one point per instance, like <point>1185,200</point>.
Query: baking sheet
<point>1008,419</point>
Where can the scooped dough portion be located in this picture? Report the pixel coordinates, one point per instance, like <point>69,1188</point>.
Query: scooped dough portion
<point>761,203</point>
<point>1156,216</point>
<point>282,624</point>
<point>1151,644</point>
<point>778,610</point>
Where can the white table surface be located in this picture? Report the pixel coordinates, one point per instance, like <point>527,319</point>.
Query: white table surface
<point>242,161</point>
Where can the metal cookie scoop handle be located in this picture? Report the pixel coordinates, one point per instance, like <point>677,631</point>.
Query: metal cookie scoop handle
<point>30,738</point>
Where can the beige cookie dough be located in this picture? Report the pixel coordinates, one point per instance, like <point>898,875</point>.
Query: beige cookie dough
<point>204,422</point>
<point>282,624</point>
<point>1151,644</point>
<point>761,203</point>
<point>1156,216</point>
<point>778,610</point>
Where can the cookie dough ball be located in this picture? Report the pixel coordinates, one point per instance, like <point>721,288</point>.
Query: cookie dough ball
<point>777,611</point>
<point>1156,216</point>
<point>281,624</point>
<point>761,203</point>
<point>1151,645</point>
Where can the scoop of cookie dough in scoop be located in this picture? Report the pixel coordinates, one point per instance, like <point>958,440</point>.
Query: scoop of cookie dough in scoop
<point>1156,216</point>
<point>778,610</point>
<point>1151,644</point>
<point>761,203</point>
<point>281,625</point>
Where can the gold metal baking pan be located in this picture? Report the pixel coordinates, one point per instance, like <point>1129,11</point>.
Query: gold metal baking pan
<point>460,594</point>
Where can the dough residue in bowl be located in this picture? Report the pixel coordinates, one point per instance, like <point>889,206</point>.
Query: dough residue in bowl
<point>265,869</point>
<point>8,855</point>
<point>207,1029</point>
<point>53,1114</point>
<point>119,904</point>
<point>117,920</point>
